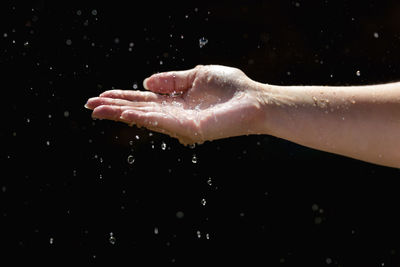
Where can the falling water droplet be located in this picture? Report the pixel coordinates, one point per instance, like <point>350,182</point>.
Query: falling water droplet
<point>209,181</point>
<point>155,230</point>
<point>180,214</point>
<point>203,201</point>
<point>51,241</point>
<point>207,236</point>
<point>192,146</point>
<point>112,238</point>
<point>202,42</point>
<point>376,35</point>
<point>194,159</point>
<point>130,159</point>
<point>198,233</point>
<point>358,73</point>
<point>163,145</point>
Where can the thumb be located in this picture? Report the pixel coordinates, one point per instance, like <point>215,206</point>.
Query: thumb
<point>170,82</point>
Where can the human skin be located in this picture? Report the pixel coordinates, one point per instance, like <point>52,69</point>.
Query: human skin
<point>213,102</point>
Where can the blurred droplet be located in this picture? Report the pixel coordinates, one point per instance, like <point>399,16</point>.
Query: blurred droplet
<point>209,181</point>
<point>180,214</point>
<point>358,73</point>
<point>194,159</point>
<point>203,201</point>
<point>163,145</point>
<point>202,42</point>
<point>112,239</point>
<point>130,159</point>
<point>198,233</point>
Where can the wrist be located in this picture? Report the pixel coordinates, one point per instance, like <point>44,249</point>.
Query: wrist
<point>273,101</point>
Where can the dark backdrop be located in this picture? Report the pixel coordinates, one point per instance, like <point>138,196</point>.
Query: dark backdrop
<point>68,193</point>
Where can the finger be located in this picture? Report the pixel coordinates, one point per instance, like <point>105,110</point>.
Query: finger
<point>99,101</point>
<point>133,95</point>
<point>153,120</point>
<point>170,82</point>
<point>108,112</point>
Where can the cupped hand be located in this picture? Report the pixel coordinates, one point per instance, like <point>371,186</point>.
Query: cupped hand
<point>204,103</point>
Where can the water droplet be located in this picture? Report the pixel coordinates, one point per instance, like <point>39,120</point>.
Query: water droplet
<point>51,241</point>
<point>203,201</point>
<point>192,146</point>
<point>163,145</point>
<point>79,12</point>
<point>155,230</point>
<point>100,176</point>
<point>358,73</point>
<point>94,12</point>
<point>131,143</point>
<point>376,35</point>
<point>202,41</point>
<point>130,159</point>
<point>318,220</point>
<point>3,189</point>
<point>314,207</point>
<point>328,260</point>
<point>198,233</point>
<point>207,236</point>
<point>26,44</point>
<point>47,143</point>
<point>180,214</point>
<point>112,239</point>
<point>194,159</point>
<point>68,42</point>
<point>182,36</point>
<point>135,86</point>
<point>209,181</point>
<point>66,114</point>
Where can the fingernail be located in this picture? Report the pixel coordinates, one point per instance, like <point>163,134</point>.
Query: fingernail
<point>145,83</point>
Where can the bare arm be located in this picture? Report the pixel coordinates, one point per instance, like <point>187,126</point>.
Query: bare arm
<point>213,102</point>
<point>362,122</point>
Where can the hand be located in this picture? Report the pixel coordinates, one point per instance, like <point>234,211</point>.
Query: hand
<point>204,103</point>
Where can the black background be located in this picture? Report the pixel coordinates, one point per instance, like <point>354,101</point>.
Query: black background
<point>66,184</point>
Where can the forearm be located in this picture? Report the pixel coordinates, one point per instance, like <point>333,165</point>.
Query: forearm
<point>361,122</point>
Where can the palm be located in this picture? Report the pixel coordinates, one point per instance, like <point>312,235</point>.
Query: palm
<point>205,103</point>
